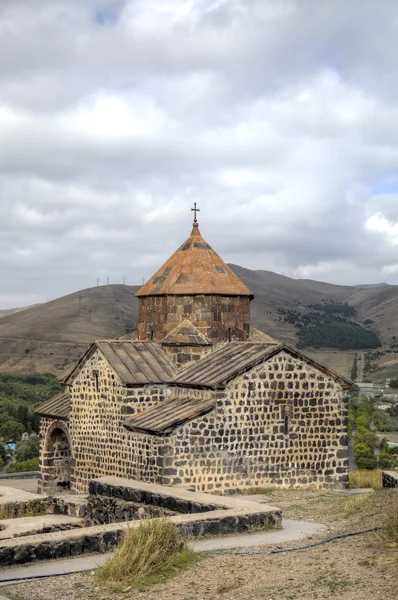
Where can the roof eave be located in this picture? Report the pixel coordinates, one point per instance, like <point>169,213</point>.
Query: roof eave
<point>224,295</point>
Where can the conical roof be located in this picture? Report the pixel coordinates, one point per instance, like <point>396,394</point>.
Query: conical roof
<point>194,269</point>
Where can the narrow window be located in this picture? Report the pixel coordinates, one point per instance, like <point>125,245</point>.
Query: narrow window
<point>96,384</point>
<point>229,334</point>
<point>286,425</point>
<point>151,335</point>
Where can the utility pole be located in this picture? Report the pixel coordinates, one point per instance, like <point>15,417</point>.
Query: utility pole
<point>97,281</point>
<point>124,279</point>
<point>107,280</point>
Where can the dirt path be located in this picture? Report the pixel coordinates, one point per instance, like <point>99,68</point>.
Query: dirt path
<point>354,569</point>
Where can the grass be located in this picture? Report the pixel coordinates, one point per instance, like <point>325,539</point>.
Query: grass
<point>355,504</point>
<point>366,479</point>
<point>333,583</point>
<point>251,491</point>
<point>14,510</point>
<point>148,554</point>
<point>388,536</point>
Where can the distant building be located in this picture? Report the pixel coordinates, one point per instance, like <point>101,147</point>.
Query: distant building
<point>202,399</point>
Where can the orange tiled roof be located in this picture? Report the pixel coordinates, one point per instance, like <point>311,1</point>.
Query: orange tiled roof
<point>194,269</point>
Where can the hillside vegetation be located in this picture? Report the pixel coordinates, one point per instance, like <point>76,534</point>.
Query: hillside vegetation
<point>311,314</point>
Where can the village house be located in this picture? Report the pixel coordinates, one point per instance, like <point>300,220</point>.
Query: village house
<point>200,399</point>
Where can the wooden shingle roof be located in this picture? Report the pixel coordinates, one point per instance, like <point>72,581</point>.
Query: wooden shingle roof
<point>58,406</point>
<point>168,414</point>
<point>194,269</point>
<point>136,363</point>
<point>232,359</point>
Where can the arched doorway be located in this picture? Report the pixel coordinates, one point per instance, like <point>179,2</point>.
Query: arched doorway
<point>57,457</point>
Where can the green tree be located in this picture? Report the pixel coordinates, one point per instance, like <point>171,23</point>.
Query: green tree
<point>386,460</point>
<point>27,465</point>
<point>394,383</point>
<point>28,449</point>
<point>11,430</point>
<point>367,463</point>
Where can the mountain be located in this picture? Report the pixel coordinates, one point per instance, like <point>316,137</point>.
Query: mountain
<point>369,285</point>
<point>48,337</point>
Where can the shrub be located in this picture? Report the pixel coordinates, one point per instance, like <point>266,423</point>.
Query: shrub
<point>386,460</point>
<point>147,552</point>
<point>361,449</point>
<point>28,449</point>
<point>369,438</point>
<point>26,465</point>
<point>367,463</point>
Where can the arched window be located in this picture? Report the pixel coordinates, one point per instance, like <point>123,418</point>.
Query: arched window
<point>151,335</point>
<point>229,334</point>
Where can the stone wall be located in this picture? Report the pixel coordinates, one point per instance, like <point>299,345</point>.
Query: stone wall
<point>55,454</point>
<point>181,356</point>
<point>390,479</point>
<point>101,445</point>
<point>219,318</point>
<point>203,515</point>
<point>282,423</point>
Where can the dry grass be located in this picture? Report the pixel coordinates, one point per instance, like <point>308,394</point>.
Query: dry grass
<point>366,479</point>
<point>388,536</point>
<point>251,491</point>
<point>149,553</point>
<point>14,510</point>
<point>355,504</point>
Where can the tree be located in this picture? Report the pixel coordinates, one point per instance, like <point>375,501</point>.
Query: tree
<point>28,449</point>
<point>11,430</point>
<point>367,463</point>
<point>394,383</point>
<point>386,460</point>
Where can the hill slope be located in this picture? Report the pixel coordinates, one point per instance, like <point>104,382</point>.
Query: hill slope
<point>48,337</point>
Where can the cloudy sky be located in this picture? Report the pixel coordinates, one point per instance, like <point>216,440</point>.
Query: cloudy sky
<point>279,117</point>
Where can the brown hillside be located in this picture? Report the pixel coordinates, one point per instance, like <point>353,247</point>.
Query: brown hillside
<point>48,337</point>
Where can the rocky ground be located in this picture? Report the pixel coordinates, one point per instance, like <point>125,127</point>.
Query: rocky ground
<point>356,568</point>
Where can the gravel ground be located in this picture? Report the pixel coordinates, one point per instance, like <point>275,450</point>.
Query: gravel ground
<point>357,568</point>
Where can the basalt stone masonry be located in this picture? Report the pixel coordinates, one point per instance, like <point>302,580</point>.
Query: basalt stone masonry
<point>194,402</point>
<point>390,479</point>
<point>193,514</point>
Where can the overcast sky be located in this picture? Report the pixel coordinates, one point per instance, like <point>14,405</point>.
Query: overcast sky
<point>278,117</point>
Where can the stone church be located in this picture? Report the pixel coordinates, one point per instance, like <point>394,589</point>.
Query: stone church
<point>200,399</point>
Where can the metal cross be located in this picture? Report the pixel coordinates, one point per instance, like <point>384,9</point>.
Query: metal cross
<point>195,210</point>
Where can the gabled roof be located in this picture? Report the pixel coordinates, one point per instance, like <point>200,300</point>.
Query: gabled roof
<point>136,363</point>
<point>186,334</point>
<point>195,269</point>
<point>58,406</point>
<point>232,359</point>
<point>168,414</point>
<point>256,335</point>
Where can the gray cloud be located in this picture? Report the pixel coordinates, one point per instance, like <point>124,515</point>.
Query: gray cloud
<point>276,116</point>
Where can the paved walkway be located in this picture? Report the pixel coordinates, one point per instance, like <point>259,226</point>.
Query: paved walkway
<point>292,530</point>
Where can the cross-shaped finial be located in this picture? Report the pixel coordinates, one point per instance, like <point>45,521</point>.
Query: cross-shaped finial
<point>195,210</point>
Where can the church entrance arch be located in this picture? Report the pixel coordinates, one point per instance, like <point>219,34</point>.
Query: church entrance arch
<point>57,457</point>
